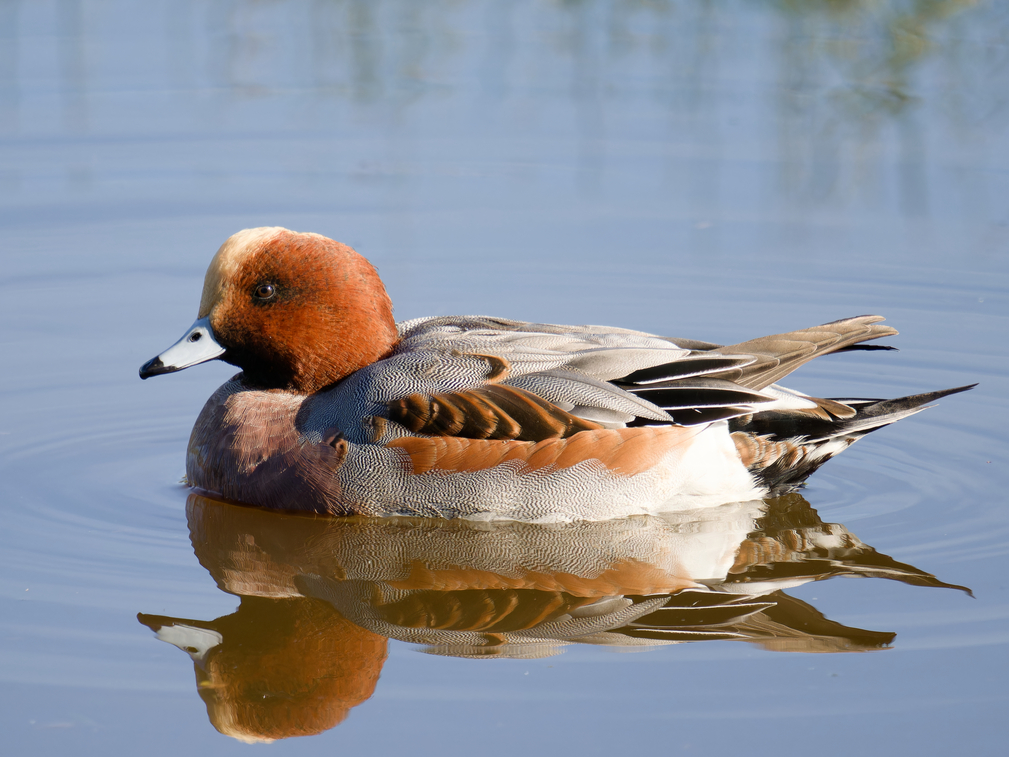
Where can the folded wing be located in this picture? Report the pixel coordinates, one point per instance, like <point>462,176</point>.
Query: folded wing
<point>531,382</point>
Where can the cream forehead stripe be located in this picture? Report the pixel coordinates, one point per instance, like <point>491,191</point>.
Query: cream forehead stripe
<point>229,259</point>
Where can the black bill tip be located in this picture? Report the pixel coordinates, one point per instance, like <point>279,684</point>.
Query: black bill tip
<point>154,367</point>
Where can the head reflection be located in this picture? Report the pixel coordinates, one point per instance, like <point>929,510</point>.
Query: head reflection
<point>277,667</point>
<point>321,596</point>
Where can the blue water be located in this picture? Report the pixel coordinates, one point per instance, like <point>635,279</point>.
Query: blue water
<point>715,170</point>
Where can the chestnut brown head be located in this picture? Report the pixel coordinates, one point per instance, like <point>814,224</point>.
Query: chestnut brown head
<point>294,311</point>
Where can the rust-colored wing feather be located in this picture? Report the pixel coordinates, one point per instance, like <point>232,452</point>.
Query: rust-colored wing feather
<point>488,412</point>
<point>624,451</point>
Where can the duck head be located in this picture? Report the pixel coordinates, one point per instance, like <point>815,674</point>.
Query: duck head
<point>293,311</point>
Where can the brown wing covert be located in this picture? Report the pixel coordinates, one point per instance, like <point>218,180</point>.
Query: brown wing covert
<point>488,412</point>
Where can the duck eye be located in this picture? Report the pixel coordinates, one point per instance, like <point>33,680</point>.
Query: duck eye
<point>265,291</point>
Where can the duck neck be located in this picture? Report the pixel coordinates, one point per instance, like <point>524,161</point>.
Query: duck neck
<point>312,359</point>
<point>364,338</point>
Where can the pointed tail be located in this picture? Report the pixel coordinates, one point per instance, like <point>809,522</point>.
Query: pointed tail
<point>782,447</point>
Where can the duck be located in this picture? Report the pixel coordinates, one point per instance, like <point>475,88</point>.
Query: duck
<point>340,410</point>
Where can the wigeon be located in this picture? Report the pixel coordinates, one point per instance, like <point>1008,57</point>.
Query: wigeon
<point>340,410</point>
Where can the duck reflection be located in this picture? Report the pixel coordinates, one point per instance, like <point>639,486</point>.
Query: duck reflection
<point>320,597</point>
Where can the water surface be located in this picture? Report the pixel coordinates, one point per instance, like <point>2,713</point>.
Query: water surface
<point>716,170</point>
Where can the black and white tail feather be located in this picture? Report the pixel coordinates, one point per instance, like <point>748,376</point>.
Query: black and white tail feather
<point>782,435</point>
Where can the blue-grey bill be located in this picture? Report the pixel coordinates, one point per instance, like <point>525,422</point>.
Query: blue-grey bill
<point>197,345</point>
